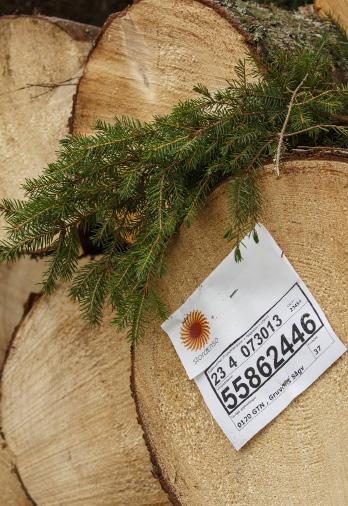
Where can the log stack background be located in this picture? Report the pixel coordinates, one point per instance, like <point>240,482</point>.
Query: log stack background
<point>68,416</point>
<point>69,431</point>
<point>41,61</point>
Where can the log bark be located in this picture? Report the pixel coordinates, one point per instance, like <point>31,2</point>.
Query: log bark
<point>336,9</point>
<point>37,59</point>
<point>68,415</point>
<point>305,210</point>
<point>149,56</point>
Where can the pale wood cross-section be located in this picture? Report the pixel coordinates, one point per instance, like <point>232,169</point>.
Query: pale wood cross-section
<point>336,9</point>
<point>40,62</point>
<point>151,55</point>
<point>301,457</point>
<point>68,415</point>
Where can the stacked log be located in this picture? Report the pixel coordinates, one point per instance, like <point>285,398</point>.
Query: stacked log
<point>41,60</point>
<point>306,212</point>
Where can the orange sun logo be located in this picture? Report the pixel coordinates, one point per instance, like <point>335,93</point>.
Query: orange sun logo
<point>195,330</point>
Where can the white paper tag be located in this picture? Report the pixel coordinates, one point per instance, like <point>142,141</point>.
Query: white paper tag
<point>253,337</point>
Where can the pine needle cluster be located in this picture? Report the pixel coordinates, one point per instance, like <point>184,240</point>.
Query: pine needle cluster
<point>133,184</point>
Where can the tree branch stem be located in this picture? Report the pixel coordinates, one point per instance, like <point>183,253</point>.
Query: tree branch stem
<point>285,124</point>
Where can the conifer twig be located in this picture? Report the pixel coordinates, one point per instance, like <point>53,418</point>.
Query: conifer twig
<point>321,149</point>
<point>285,124</point>
<point>131,185</point>
<point>313,127</point>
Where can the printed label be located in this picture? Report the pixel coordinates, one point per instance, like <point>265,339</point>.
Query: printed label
<point>280,349</point>
<point>259,374</point>
<point>228,301</point>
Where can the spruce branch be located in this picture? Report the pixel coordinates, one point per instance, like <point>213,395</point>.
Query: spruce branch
<point>131,184</point>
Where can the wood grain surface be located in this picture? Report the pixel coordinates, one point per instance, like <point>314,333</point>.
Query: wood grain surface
<point>300,458</point>
<point>40,63</point>
<point>149,56</point>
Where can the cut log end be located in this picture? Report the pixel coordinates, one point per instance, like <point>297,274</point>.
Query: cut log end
<point>41,60</point>
<point>41,63</point>
<point>68,415</point>
<point>149,57</point>
<point>196,462</point>
<point>336,10</point>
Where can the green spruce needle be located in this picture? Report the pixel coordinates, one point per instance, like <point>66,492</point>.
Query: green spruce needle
<point>131,185</point>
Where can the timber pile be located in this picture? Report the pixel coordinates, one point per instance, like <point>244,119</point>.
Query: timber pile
<point>82,438</point>
<point>67,412</point>
<point>41,60</point>
<point>192,455</point>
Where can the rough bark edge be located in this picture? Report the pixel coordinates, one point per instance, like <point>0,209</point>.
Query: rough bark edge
<point>157,470</point>
<point>219,9</point>
<point>24,488</point>
<point>222,11</point>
